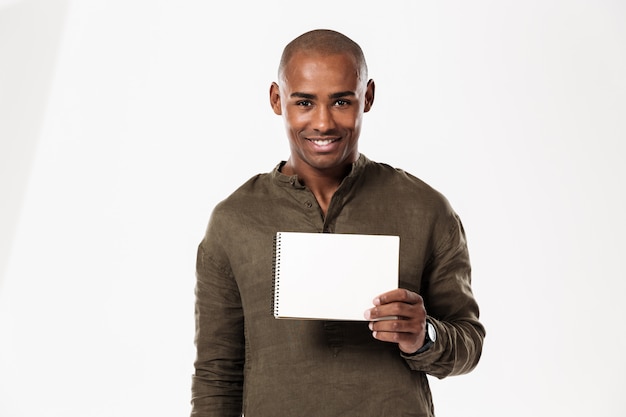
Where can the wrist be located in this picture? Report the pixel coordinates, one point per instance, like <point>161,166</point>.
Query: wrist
<point>430,337</point>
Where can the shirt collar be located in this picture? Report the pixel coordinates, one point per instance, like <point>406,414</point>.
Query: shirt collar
<point>293,181</point>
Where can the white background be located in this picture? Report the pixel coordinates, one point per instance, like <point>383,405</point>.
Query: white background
<point>122,123</point>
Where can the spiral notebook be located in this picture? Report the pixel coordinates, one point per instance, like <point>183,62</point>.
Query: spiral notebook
<point>328,276</point>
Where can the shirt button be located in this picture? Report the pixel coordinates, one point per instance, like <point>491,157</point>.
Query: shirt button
<point>308,204</point>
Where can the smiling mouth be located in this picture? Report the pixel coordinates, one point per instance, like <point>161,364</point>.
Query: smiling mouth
<point>323,142</point>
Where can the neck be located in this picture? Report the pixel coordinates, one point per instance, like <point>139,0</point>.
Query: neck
<point>321,182</point>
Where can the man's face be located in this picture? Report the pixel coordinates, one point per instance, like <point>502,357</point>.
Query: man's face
<point>322,101</point>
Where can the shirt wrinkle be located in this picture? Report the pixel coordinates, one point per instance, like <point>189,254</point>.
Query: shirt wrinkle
<point>295,366</point>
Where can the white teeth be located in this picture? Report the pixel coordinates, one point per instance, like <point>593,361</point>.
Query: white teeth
<point>323,142</point>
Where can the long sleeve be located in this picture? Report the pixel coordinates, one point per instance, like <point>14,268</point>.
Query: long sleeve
<point>291,366</point>
<point>217,385</point>
<point>451,307</point>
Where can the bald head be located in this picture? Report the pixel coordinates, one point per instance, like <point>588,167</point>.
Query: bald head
<point>324,42</point>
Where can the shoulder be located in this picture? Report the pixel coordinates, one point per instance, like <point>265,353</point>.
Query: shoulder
<point>414,198</point>
<point>249,194</point>
<point>239,208</point>
<point>402,185</point>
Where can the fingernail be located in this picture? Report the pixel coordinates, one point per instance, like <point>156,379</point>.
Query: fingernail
<point>367,314</point>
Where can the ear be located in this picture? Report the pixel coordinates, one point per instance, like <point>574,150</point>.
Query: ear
<point>275,99</point>
<point>369,95</point>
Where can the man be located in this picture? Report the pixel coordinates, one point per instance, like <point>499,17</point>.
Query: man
<point>249,362</point>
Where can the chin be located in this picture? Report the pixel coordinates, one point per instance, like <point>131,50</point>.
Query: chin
<point>329,163</point>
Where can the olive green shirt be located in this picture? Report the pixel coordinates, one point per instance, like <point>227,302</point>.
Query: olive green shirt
<point>248,361</point>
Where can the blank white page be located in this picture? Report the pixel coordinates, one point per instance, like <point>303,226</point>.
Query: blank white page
<point>332,276</point>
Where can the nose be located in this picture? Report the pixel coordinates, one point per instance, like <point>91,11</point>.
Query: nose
<point>323,119</point>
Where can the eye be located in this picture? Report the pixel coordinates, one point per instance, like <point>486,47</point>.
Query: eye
<point>341,102</point>
<point>304,103</point>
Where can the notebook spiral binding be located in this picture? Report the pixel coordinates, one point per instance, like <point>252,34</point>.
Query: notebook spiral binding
<point>276,274</point>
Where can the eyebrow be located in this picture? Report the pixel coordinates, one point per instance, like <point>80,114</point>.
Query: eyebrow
<point>331,96</point>
<point>342,94</point>
<point>302,95</point>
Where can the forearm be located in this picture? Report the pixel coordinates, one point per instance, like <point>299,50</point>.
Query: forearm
<point>217,384</point>
<point>456,351</point>
<point>214,398</point>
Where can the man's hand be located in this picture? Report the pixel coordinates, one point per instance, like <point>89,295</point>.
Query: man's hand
<point>403,319</point>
